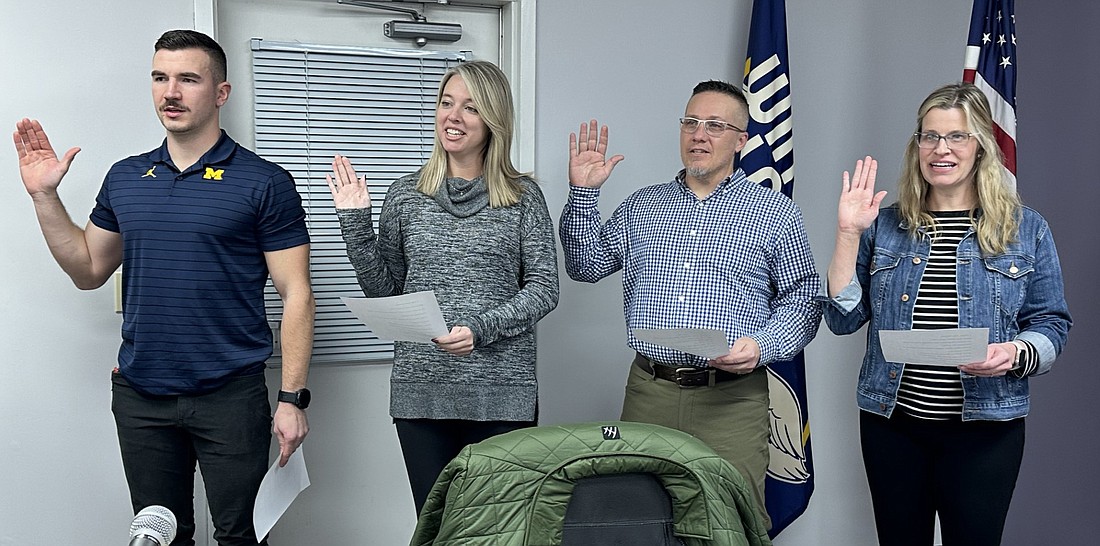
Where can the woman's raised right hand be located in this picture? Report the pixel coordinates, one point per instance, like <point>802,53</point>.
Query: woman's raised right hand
<point>348,191</point>
<point>858,201</point>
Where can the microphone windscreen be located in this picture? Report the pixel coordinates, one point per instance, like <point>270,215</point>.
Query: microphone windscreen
<point>155,522</point>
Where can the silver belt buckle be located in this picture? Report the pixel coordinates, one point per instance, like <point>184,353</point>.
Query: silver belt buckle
<point>693,374</point>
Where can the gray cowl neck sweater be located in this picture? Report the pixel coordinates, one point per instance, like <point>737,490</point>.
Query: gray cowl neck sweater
<point>493,270</point>
<point>463,198</point>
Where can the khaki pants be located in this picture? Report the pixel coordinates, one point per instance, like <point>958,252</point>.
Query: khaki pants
<point>731,418</point>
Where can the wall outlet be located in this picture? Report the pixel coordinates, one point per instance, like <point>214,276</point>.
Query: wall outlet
<point>276,340</point>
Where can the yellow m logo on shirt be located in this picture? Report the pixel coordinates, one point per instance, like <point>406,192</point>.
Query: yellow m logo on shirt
<point>212,174</point>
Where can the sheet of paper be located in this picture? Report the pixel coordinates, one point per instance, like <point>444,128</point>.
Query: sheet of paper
<point>949,347</point>
<point>278,490</point>
<point>408,317</point>
<point>705,342</point>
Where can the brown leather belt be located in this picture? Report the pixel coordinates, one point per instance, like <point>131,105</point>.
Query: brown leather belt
<point>685,376</point>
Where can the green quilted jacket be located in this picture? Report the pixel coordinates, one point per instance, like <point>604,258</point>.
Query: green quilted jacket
<point>513,489</point>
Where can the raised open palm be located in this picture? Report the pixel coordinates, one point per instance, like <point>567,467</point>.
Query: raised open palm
<point>39,166</point>
<point>588,163</point>
<point>859,203</point>
<point>348,190</point>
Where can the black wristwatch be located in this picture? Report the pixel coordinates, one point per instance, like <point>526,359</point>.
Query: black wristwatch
<point>299,398</point>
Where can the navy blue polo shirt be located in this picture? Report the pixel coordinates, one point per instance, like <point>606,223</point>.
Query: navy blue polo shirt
<point>193,263</point>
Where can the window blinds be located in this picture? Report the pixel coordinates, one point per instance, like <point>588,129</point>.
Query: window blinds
<point>375,106</point>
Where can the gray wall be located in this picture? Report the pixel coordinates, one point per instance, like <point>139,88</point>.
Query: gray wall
<point>83,70</point>
<point>1056,500</point>
<point>859,69</point>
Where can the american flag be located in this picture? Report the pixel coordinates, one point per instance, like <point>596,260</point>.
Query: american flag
<point>991,65</point>
<point>768,159</point>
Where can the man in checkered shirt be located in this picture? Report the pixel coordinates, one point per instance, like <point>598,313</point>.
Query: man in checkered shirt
<point>709,249</point>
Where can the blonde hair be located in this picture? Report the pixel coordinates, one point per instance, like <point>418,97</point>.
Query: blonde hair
<point>998,225</point>
<point>492,96</point>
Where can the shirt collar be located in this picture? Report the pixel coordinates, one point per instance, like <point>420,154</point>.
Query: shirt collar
<point>730,182</point>
<point>221,151</point>
<point>903,225</point>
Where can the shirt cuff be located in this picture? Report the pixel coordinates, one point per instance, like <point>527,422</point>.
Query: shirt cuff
<point>354,214</point>
<point>849,297</point>
<point>583,198</point>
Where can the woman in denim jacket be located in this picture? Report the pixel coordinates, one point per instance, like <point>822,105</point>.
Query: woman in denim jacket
<point>957,250</point>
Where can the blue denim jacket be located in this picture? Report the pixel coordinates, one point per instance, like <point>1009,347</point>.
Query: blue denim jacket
<point>1017,295</point>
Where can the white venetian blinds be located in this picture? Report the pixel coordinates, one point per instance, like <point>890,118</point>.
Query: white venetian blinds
<point>375,106</point>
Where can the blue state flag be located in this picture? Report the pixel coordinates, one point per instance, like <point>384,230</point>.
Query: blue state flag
<point>768,159</point>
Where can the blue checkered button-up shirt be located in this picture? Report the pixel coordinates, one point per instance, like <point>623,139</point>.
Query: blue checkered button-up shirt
<point>738,261</point>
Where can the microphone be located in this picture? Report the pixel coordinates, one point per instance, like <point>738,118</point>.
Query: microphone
<point>153,526</point>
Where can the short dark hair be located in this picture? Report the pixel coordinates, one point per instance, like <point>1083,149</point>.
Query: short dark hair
<point>175,40</point>
<point>726,88</point>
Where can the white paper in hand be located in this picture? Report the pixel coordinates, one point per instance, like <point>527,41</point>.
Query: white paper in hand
<point>705,342</point>
<point>408,317</point>
<point>277,491</point>
<point>948,347</point>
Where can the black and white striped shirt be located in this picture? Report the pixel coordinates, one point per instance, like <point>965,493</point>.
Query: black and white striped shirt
<point>935,392</point>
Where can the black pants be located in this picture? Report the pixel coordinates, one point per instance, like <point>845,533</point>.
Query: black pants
<point>228,432</point>
<point>429,444</point>
<point>965,471</point>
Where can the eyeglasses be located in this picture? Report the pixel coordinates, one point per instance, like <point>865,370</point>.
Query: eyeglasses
<point>713,127</point>
<point>954,140</point>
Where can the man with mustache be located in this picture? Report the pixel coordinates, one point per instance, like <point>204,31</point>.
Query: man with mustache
<point>710,249</point>
<point>198,224</point>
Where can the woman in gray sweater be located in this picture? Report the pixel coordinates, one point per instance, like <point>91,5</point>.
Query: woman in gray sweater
<point>475,230</point>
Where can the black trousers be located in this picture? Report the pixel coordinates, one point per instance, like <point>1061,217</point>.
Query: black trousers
<point>429,444</point>
<point>228,432</point>
<point>964,471</point>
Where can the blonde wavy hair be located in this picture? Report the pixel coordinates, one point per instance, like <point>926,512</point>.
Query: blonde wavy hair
<point>998,224</point>
<point>492,97</point>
